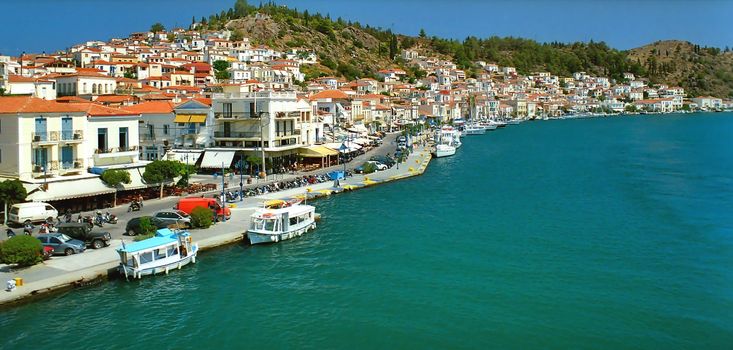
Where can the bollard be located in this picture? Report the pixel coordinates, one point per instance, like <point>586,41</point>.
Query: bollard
<point>18,281</point>
<point>10,285</point>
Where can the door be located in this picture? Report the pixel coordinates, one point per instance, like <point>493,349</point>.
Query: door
<point>227,129</point>
<point>123,140</point>
<point>41,134</point>
<point>102,140</point>
<point>56,244</point>
<point>40,158</point>
<point>67,130</point>
<point>67,157</point>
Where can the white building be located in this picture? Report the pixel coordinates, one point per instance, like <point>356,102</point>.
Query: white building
<point>85,85</point>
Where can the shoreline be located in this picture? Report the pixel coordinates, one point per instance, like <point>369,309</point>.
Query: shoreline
<point>105,271</point>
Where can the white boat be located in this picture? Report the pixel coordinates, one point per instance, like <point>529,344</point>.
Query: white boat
<point>167,250</point>
<point>444,151</point>
<point>447,141</point>
<point>473,129</point>
<point>513,121</point>
<point>279,222</point>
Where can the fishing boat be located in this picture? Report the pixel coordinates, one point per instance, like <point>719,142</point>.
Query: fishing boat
<point>280,220</point>
<point>442,150</point>
<point>167,250</point>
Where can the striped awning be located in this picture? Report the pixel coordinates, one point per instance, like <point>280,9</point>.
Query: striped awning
<point>216,159</point>
<point>190,118</point>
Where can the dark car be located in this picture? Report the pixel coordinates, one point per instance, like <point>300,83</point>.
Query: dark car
<point>82,232</point>
<point>62,244</point>
<point>133,226</point>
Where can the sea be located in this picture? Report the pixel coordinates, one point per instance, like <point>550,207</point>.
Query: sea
<point>602,233</point>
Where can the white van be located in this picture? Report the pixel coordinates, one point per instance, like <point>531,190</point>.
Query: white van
<point>32,212</point>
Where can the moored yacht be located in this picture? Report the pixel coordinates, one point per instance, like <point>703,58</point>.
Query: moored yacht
<point>473,129</point>
<point>280,220</point>
<point>447,140</point>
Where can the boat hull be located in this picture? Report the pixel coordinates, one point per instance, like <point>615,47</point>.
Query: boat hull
<point>444,152</point>
<point>262,238</point>
<point>163,268</point>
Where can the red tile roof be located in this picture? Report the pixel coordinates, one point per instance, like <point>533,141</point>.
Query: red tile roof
<point>152,107</point>
<point>335,94</point>
<point>27,104</point>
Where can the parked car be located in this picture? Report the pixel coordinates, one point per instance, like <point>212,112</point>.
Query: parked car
<point>62,244</point>
<point>174,217</point>
<point>377,165</point>
<point>187,204</point>
<point>133,226</point>
<point>26,213</point>
<point>82,232</point>
<point>389,162</point>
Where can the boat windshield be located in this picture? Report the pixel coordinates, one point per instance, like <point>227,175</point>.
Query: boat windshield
<point>263,224</point>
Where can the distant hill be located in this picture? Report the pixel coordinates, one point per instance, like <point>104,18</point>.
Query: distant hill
<point>700,70</point>
<point>351,50</point>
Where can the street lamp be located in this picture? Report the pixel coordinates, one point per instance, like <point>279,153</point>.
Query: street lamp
<point>264,120</point>
<point>240,165</point>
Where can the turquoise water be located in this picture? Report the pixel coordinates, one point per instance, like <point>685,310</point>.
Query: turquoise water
<point>598,233</point>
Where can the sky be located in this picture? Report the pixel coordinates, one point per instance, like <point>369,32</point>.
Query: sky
<point>50,25</point>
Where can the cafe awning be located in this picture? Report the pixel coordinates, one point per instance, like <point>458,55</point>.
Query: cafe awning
<point>190,118</point>
<point>60,190</point>
<point>215,159</point>
<point>316,152</point>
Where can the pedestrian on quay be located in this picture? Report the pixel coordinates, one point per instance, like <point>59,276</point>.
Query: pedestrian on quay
<point>140,200</point>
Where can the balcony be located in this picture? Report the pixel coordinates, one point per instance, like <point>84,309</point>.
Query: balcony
<point>238,115</point>
<point>45,137</point>
<point>114,156</point>
<point>72,136</point>
<point>260,95</point>
<point>39,170</point>
<point>236,135</point>
<point>72,167</point>
<point>99,151</point>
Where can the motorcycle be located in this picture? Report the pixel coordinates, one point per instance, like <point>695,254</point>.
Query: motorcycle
<point>134,206</point>
<point>10,233</point>
<point>99,219</point>
<point>28,229</point>
<point>109,218</point>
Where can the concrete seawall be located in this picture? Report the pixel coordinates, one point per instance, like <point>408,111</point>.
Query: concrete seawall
<point>94,266</point>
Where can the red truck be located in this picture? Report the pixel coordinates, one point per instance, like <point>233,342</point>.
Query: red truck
<point>187,204</point>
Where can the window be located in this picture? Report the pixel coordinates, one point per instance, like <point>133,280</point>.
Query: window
<point>123,139</point>
<point>55,240</point>
<point>102,139</point>
<point>165,129</point>
<point>227,109</point>
<point>151,131</point>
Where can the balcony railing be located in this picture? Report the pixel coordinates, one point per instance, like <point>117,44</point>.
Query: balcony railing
<point>262,95</point>
<point>236,135</point>
<point>115,150</point>
<point>72,135</point>
<point>49,168</point>
<point>75,165</point>
<point>238,115</point>
<point>48,136</point>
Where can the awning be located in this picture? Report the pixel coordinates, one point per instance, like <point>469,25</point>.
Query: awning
<point>215,159</point>
<point>190,118</point>
<point>316,152</point>
<point>344,147</point>
<point>362,141</point>
<point>185,157</point>
<point>60,190</point>
<point>136,180</point>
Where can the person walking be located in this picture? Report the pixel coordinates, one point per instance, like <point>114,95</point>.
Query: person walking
<point>140,200</point>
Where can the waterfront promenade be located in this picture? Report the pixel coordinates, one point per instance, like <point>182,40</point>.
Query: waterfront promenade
<point>60,273</point>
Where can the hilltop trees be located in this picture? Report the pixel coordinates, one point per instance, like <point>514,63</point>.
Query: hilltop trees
<point>157,27</point>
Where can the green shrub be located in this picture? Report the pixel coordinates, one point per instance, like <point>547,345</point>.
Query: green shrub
<point>146,226</point>
<point>22,250</point>
<point>201,217</point>
<point>143,237</point>
<point>369,168</point>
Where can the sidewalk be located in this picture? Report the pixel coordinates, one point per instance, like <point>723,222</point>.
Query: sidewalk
<point>62,272</point>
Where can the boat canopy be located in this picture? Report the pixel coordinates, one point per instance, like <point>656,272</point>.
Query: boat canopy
<point>163,237</point>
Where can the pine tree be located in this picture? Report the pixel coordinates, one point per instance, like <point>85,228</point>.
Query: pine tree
<point>422,33</point>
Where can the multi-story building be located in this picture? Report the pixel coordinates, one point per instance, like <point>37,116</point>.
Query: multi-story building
<point>250,124</point>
